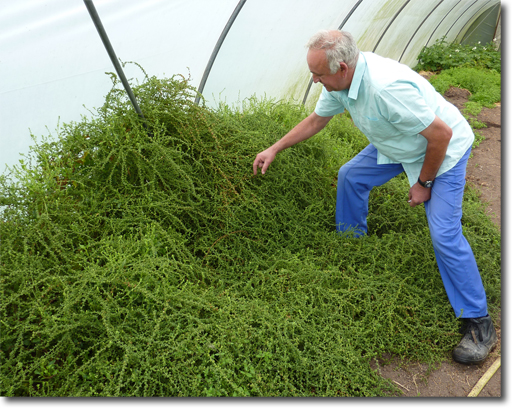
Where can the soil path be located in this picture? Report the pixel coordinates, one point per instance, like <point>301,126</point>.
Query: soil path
<point>452,379</point>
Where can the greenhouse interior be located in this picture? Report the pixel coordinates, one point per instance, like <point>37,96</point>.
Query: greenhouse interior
<point>55,63</point>
<point>142,257</point>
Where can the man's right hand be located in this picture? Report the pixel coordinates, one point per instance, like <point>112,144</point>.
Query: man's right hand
<point>311,125</point>
<point>263,160</point>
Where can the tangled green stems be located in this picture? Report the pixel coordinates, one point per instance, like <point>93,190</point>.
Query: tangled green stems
<point>138,266</point>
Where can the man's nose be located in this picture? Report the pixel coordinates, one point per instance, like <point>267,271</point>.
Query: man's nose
<point>315,78</point>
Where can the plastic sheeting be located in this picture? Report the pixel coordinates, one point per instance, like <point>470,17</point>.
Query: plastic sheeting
<point>52,61</point>
<point>484,27</point>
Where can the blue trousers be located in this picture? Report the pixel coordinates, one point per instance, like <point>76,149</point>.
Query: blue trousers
<point>454,256</point>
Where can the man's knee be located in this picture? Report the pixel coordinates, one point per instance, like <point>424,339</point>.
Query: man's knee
<point>445,237</point>
<point>347,174</point>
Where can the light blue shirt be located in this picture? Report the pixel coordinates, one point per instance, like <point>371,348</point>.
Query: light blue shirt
<point>390,103</point>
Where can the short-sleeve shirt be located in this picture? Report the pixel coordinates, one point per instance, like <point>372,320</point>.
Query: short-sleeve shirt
<point>391,104</point>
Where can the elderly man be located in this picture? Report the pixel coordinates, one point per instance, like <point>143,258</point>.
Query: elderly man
<point>411,128</point>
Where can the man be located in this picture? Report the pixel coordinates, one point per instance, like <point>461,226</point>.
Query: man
<point>411,128</point>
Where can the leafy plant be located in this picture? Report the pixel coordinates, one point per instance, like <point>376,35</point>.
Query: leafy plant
<point>443,55</point>
<point>158,265</point>
<point>472,108</point>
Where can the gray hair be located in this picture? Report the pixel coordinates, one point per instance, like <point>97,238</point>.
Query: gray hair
<point>339,47</point>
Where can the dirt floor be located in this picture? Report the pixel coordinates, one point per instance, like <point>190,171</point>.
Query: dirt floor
<point>452,379</point>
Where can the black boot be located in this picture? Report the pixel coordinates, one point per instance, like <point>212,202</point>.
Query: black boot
<point>478,340</point>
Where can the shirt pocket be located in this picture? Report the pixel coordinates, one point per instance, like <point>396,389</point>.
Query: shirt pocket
<point>369,125</point>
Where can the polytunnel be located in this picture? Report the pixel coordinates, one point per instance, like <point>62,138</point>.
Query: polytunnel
<point>53,62</point>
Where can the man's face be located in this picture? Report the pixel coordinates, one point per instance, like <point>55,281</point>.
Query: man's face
<point>320,70</point>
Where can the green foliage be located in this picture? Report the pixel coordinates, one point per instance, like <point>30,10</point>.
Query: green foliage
<point>443,55</point>
<point>160,266</point>
<point>484,86</point>
<point>472,108</point>
<point>478,138</point>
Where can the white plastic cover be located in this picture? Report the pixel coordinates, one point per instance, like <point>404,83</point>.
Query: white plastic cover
<point>52,60</point>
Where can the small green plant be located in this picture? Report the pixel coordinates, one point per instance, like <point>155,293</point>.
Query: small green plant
<point>476,124</point>
<point>478,138</point>
<point>443,55</point>
<point>46,370</point>
<point>472,108</point>
<point>484,85</point>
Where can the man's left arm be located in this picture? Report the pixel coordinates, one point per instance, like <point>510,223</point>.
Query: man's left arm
<point>438,135</point>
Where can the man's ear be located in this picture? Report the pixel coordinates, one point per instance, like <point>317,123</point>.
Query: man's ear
<point>344,68</point>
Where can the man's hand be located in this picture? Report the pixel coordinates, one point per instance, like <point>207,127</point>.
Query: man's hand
<point>263,160</point>
<point>418,195</point>
<point>438,135</point>
<point>311,125</point>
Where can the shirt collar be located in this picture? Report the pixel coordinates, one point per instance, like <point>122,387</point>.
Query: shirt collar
<point>361,65</point>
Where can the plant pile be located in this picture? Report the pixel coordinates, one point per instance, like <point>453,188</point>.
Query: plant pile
<point>151,262</point>
<point>443,55</point>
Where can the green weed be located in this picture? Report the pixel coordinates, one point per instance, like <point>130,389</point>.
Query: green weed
<point>160,266</point>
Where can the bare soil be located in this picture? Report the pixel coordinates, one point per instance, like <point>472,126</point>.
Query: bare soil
<point>451,379</point>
